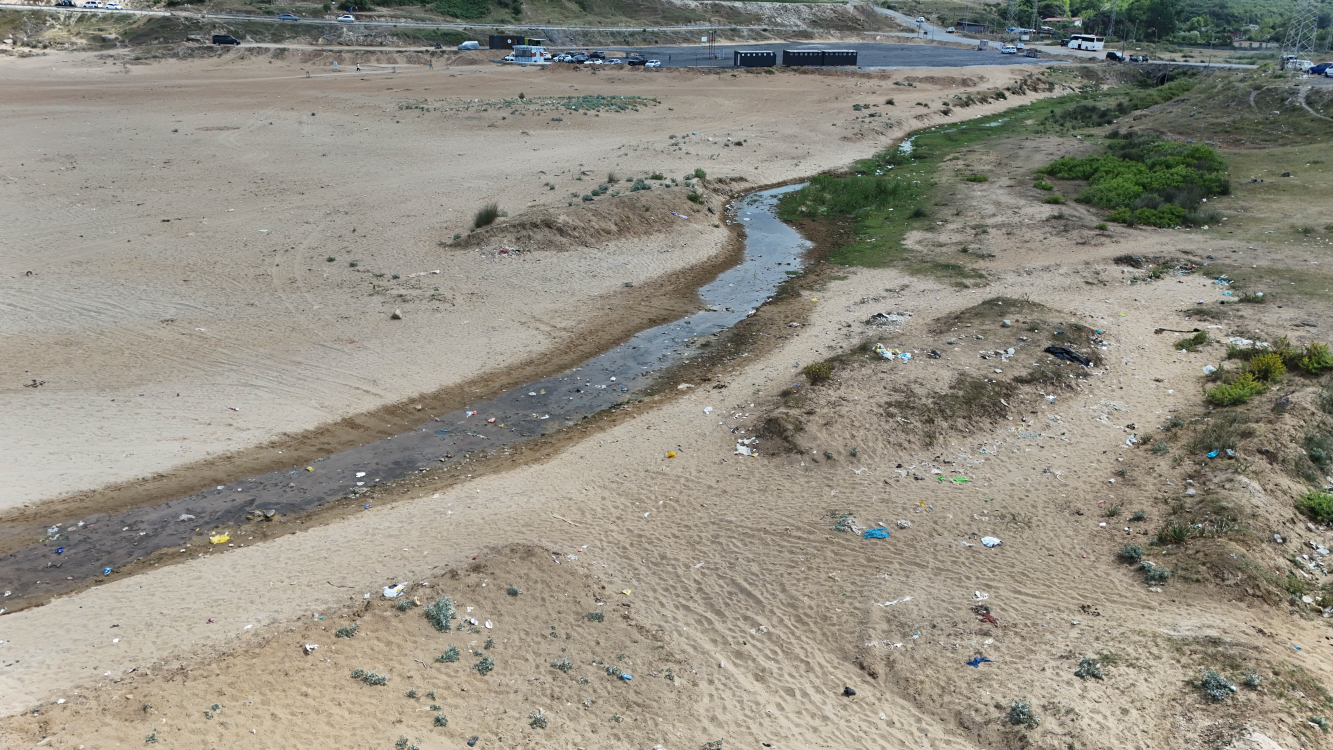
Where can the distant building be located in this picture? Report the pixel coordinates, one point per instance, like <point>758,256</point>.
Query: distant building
<point>1075,22</point>
<point>970,27</point>
<point>1247,44</point>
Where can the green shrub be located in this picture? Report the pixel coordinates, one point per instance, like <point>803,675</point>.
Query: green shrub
<point>1316,359</point>
<point>1043,185</point>
<point>486,216</point>
<point>818,372</point>
<point>1238,391</point>
<point>594,616</point>
<point>1130,553</point>
<point>404,604</point>
<point>564,665</point>
<point>440,612</point>
<point>347,631</point>
<point>370,678</point>
<point>1192,343</point>
<point>1317,505</point>
<point>1215,686</point>
<point>513,591</point>
<point>1139,515</point>
<point>1020,714</point>
<point>1154,573</point>
<point>699,174</point>
<point>1150,181</point>
<point>537,719</point>
<point>441,720</point>
<point>1088,668</point>
<point>1101,226</point>
<point>1174,533</point>
<point>657,176</point>
<point>638,185</point>
<point>484,666</point>
<point>1266,368</point>
<point>695,196</point>
<point>1057,199</point>
<point>450,655</point>
<point>976,178</point>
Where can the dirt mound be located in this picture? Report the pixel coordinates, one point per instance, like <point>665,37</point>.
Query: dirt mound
<point>947,81</point>
<point>589,223</point>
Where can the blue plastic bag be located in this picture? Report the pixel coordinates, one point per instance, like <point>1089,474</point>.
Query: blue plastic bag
<point>880,533</point>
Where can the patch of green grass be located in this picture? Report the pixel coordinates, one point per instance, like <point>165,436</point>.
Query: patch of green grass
<point>1056,199</point>
<point>976,178</point>
<point>1317,505</point>
<point>450,655</point>
<point>1131,553</point>
<point>1043,185</point>
<point>513,591</point>
<point>347,631</point>
<point>594,616</point>
<point>486,215</point>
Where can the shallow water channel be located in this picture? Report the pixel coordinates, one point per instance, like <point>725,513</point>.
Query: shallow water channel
<point>71,552</point>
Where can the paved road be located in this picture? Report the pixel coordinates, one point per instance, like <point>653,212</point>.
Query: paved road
<point>869,55</point>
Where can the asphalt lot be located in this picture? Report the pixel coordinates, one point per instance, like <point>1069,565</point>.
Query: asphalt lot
<point>869,55</point>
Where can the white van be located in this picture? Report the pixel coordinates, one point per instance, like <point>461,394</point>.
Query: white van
<point>470,45</point>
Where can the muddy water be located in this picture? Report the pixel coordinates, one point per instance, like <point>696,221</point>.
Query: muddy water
<point>71,552</point>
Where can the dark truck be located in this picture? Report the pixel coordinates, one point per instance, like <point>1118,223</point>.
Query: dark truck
<point>226,39</point>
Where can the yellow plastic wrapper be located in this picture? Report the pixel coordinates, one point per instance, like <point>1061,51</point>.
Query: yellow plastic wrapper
<point>220,538</point>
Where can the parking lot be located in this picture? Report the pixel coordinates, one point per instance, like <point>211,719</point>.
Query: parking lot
<point>869,55</point>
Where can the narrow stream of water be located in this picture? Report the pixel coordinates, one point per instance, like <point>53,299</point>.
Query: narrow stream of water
<point>72,552</point>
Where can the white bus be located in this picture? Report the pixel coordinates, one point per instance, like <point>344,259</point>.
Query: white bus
<point>1087,42</point>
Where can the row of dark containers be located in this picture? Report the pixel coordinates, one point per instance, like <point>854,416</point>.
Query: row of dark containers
<point>794,57</point>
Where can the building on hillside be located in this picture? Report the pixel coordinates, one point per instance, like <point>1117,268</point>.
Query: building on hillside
<point>972,27</point>
<point>1075,22</point>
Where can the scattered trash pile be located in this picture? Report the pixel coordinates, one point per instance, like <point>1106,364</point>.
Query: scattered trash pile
<point>889,318</point>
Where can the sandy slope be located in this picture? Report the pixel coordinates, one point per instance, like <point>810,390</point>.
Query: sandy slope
<point>177,217</point>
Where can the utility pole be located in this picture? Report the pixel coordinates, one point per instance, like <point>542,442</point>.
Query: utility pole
<point>1301,32</point>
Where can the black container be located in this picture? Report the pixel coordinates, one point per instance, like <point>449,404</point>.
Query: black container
<point>813,57</point>
<point>755,58</point>
<point>840,57</point>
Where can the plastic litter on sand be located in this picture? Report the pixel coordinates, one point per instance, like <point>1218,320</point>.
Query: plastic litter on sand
<point>991,541</point>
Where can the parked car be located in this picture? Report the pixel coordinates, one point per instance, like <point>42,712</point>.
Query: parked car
<point>1114,56</point>
<point>347,18</point>
<point>653,64</point>
<point>614,61</point>
<point>1320,70</point>
<point>91,4</point>
<point>949,30</point>
<point>595,61</point>
<point>1008,49</point>
<point>226,39</point>
<point>64,3</point>
<point>597,55</point>
<point>114,6</point>
<point>920,19</point>
<point>509,57</point>
<point>470,45</point>
<point>1064,42</point>
<point>287,17</point>
<point>635,60</point>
